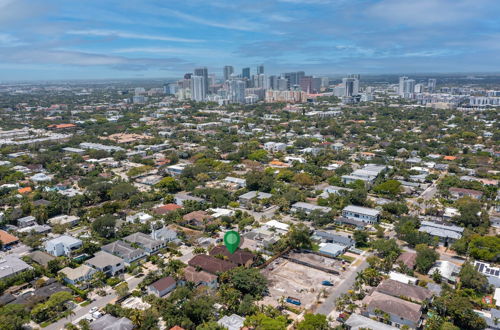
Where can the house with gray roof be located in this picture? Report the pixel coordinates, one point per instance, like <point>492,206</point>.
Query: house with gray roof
<point>107,263</point>
<point>62,246</point>
<point>125,251</point>
<point>334,238</point>
<point>149,244</point>
<point>308,208</point>
<point>364,214</point>
<point>11,265</point>
<point>109,322</point>
<point>76,275</point>
<point>250,196</point>
<point>447,234</point>
<point>359,322</point>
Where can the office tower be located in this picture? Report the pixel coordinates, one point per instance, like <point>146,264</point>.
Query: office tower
<point>228,71</point>
<point>139,90</point>
<point>198,90</point>
<point>348,84</point>
<point>356,78</point>
<point>245,73</point>
<point>294,78</point>
<point>409,88</point>
<point>306,84</point>
<point>401,88</point>
<point>419,88</point>
<point>259,81</point>
<point>431,84</point>
<point>237,91</point>
<point>325,82</point>
<point>282,84</point>
<point>260,69</point>
<point>187,75</point>
<point>316,85</point>
<point>202,72</point>
<point>272,82</point>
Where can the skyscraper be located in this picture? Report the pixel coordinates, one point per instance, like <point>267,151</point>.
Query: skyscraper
<point>237,91</point>
<point>306,84</point>
<point>245,73</point>
<point>282,84</point>
<point>348,86</point>
<point>260,69</point>
<point>401,89</point>
<point>431,84</point>
<point>202,72</point>
<point>198,89</point>
<point>228,71</point>
<point>294,78</point>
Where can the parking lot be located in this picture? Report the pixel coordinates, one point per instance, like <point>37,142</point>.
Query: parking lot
<point>287,278</point>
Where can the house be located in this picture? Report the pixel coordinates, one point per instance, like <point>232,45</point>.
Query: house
<point>161,210</point>
<point>8,239</point>
<point>408,259</point>
<point>107,263</point>
<point>447,234</point>
<point>125,251</point>
<point>182,197</point>
<point>62,246</point>
<point>404,290</point>
<point>109,322</point>
<point>70,220</point>
<point>211,264</point>
<point>76,275</point>
<point>41,258</point>
<point>176,170</point>
<point>236,182</point>
<point>486,269</point>
<point>140,217</point>
<point>360,322</point>
<point>333,190</point>
<point>162,287</point>
<point>200,277</point>
<point>164,234</point>
<point>232,322</point>
<point>364,214</point>
<point>457,193</point>
<point>278,226</point>
<point>145,242</point>
<point>197,218</point>
<point>26,221</point>
<point>400,312</point>
<point>332,249</point>
<point>239,257</point>
<point>333,238</point>
<point>367,174</point>
<point>11,265</point>
<point>275,146</point>
<point>249,197</point>
<point>309,208</point>
<point>350,222</point>
<point>403,278</point>
<point>448,270</point>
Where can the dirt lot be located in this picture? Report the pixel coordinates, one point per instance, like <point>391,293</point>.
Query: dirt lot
<point>287,278</point>
<point>317,260</point>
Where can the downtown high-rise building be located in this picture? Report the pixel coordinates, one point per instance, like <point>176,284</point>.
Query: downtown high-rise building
<point>202,72</point>
<point>260,69</point>
<point>228,71</point>
<point>237,90</point>
<point>294,78</point>
<point>406,87</point>
<point>282,84</point>
<point>198,88</point>
<point>245,73</point>
<point>349,86</point>
<point>305,84</point>
<point>272,82</point>
<point>431,84</point>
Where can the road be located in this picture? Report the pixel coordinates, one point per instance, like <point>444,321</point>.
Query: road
<point>349,278</point>
<point>99,303</point>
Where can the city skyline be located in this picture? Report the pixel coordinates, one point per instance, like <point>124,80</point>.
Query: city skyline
<point>132,39</point>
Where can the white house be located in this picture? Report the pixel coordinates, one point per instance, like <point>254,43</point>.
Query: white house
<point>62,246</point>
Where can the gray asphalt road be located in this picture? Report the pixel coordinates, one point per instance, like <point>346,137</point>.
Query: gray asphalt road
<point>99,303</point>
<point>350,277</point>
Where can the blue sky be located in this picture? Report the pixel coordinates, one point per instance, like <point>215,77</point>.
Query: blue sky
<point>65,39</point>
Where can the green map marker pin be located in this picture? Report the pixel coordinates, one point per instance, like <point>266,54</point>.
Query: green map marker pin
<point>232,240</point>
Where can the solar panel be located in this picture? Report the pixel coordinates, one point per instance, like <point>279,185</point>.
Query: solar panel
<point>497,273</point>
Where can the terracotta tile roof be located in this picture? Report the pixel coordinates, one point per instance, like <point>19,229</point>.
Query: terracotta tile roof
<point>7,238</point>
<point>239,257</point>
<point>163,283</point>
<point>24,190</point>
<point>449,157</point>
<point>166,208</point>
<point>211,264</point>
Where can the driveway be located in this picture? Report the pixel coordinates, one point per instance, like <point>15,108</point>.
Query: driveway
<point>347,282</point>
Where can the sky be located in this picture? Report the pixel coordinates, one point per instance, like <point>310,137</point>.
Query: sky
<point>101,39</point>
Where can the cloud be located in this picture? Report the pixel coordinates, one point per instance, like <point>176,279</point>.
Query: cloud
<point>429,12</point>
<point>240,25</point>
<point>7,40</point>
<point>307,2</point>
<point>128,35</point>
<point>198,52</point>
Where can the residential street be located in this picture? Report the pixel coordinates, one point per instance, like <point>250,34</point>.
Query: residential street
<point>349,278</point>
<point>99,303</point>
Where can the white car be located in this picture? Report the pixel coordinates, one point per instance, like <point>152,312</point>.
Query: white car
<point>93,309</point>
<point>96,315</point>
